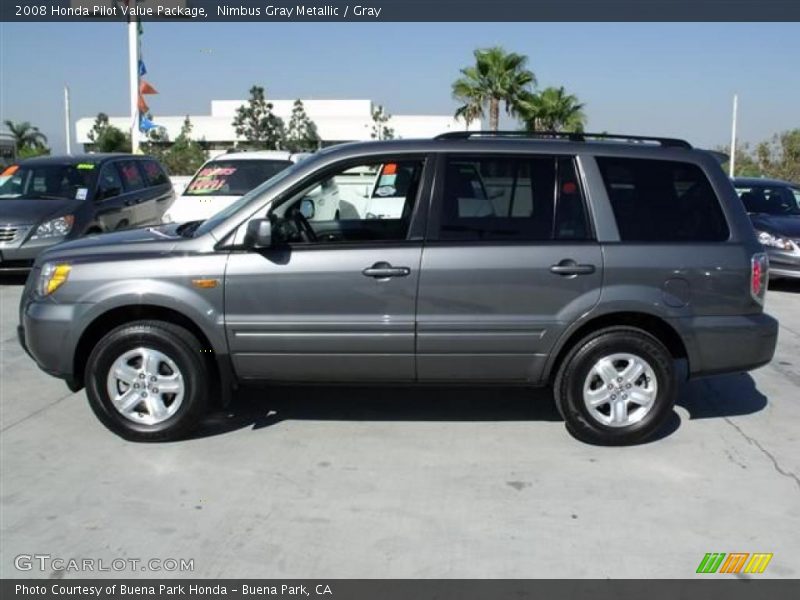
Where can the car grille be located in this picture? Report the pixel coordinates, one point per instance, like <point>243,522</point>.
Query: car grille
<point>12,233</point>
<point>8,234</point>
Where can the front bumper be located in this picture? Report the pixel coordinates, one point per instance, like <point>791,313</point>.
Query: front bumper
<point>47,333</point>
<point>783,263</point>
<point>728,344</point>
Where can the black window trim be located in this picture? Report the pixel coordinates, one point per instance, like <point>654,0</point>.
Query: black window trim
<point>437,199</point>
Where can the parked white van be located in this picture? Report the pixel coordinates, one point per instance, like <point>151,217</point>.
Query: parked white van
<point>224,179</point>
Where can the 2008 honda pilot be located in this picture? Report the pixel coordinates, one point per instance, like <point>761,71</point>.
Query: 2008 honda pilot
<point>588,263</point>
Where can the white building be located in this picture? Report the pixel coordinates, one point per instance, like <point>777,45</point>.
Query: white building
<point>336,120</point>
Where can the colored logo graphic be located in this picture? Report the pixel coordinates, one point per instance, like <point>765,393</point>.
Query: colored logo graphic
<point>735,562</point>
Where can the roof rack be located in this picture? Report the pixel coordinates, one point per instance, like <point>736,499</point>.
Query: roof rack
<point>562,135</point>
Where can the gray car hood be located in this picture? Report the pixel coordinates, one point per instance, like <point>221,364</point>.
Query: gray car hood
<point>32,211</point>
<point>130,243</point>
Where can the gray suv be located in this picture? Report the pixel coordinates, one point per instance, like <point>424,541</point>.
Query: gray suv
<point>589,263</point>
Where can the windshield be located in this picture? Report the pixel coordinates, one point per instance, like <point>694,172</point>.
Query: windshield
<point>233,177</point>
<point>231,209</point>
<point>770,200</point>
<point>56,182</point>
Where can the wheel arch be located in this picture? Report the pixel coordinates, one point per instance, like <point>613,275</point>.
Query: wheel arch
<point>120,315</point>
<point>647,322</point>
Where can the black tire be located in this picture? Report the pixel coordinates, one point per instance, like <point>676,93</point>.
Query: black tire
<point>576,367</point>
<point>181,347</point>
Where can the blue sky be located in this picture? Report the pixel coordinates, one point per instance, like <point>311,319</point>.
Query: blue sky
<point>657,79</point>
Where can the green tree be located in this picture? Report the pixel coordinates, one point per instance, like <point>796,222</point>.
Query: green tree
<point>185,155</point>
<point>301,134</point>
<point>380,129</point>
<point>746,165</point>
<point>256,123</point>
<point>496,77</point>
<point>28,139</point>
<point>778,157</point>
<point>107,138</point>
<point>553,109</point>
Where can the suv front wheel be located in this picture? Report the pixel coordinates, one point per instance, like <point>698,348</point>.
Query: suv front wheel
<point>147,381</point>
<point>616,387</point>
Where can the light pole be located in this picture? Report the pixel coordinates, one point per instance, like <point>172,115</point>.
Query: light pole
<point>732,170</point>
<point>133,71</point>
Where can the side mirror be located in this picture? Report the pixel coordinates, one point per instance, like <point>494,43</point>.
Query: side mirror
<point>307,208</point>
<point>258,234</point>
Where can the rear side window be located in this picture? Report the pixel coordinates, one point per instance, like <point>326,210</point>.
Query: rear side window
<point>154,174</point>
<point>131,176</point>
<point>526,198</point>
<point>662,201</point>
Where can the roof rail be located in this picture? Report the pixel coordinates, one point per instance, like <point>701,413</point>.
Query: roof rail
<point>563,135</point>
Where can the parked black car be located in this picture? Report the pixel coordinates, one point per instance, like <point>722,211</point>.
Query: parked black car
<point>44,201</point>
<point>774,209</point>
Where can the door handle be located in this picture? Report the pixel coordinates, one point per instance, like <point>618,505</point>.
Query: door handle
<point>383,270</point>
<point>569,267</point>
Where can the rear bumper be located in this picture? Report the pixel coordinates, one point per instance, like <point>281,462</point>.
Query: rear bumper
<point>728,344</point>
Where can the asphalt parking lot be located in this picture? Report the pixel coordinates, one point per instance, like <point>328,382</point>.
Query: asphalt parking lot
<point>446,482</point>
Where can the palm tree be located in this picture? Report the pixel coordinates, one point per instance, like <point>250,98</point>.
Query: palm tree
<point>469,111</point>
<point>553,110</point>
<point>496,76</point>
<point>26,135</point>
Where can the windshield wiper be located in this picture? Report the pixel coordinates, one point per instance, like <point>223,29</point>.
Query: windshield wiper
<point>187,229</point>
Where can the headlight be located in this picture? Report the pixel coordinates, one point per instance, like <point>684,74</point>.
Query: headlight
<point>55,228</point>
<point>52,277</point>
<point>767,239</point>
<point>167,218</point>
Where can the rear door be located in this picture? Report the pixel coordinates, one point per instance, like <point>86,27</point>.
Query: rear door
<point>136,196</point>
<point>112,209</point>
<point>510,261</point>
<point>160,193</point>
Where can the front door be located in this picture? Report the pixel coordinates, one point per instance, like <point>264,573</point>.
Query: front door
<point>334,299</point>
<point>510,262</point>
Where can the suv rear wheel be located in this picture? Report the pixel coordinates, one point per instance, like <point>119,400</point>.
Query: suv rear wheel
<point>616,387</point>
<point>147,381</point>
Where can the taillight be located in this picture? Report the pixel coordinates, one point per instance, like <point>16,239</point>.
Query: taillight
<point>759,276</point>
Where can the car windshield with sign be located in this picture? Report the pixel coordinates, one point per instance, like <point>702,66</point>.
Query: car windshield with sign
<point>233,177</point>
<point>54,181</point>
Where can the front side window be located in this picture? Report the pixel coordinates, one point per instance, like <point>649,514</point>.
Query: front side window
<point>368,202</point>
<point>533,198</point>
<point>662,201</point>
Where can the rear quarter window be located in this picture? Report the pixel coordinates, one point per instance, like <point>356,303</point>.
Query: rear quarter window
<point>154,174</point>
<point>662,201</point>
